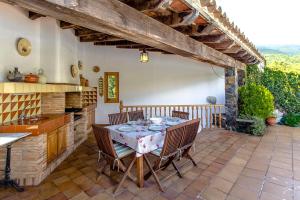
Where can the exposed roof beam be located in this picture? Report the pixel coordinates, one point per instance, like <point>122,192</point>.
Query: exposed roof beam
<point>115,18</point>
<point>86,32</point>
<point>207,30</point>
<point>211,38</point>
<point>221,46</point>
<point>34,16</point>
<point>67,25</point>
<point>235,49</point>
<point>117,43</point>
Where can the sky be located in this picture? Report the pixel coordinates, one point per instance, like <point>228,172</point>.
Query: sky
<point>266,22</point>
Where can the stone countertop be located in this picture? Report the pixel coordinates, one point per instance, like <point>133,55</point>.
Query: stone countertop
<point>37,125</point>
<point>8,138</point>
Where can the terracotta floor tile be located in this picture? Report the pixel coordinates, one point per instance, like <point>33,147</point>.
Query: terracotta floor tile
<point>280,191</point>
<point>243,193</point>
<point>227,162</point>
<point>253,173</point>
<point>61,180</point>
<point>80,196</point>
<point>73,191</point>
<point>102,196</point>
<point>274,171</point>
<point>58,196</point>
<point>250,183</point>
<point>213,194</point>
<point>126,195</point>
<point>268,196</point>
<point>221,184</point>
<point>94,190</point>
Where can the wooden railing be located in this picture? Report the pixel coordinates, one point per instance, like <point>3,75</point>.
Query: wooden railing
<point>210,115</point>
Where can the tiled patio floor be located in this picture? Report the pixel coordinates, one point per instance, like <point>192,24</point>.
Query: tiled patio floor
<point>231,166</point>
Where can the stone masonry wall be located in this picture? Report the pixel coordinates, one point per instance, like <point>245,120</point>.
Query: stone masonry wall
<point>231,97</point>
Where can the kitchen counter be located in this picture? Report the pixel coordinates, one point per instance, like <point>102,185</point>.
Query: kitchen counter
<point>37,125</point>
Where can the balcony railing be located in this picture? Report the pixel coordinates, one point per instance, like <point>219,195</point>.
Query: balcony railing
<point>211,116</point>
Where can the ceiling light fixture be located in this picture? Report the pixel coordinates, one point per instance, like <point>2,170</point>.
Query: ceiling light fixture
<point>144,57</point>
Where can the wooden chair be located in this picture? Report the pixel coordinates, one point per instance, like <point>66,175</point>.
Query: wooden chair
<point>189,136</point>
<point>136,115</point>
<point>169,151</point>
<point>118,118</point>
<point>180,114</point>
<point>113,153</point>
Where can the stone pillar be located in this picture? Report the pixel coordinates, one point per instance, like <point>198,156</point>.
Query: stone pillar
<point>231,97</point>
<point>241,77</point>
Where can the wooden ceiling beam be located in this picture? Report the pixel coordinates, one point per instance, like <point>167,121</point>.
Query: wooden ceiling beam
<point>34,16</point>
<point>211,38</point>
<point>67,25</point>
<point>117,43</point>
<point>86,33</point>
<point>221,46</point>
<point>115,18</point>
<point>235,49</point>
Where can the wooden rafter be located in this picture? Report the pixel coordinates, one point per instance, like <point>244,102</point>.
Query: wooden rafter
<point>182,15</point>
<point>34,16</point>
<point>114,18</point>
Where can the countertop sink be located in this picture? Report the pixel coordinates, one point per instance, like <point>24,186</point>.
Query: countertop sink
<point>38,118</point>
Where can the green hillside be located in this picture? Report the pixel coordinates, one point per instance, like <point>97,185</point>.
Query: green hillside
<point>284,62</point>
<point>284,57</point>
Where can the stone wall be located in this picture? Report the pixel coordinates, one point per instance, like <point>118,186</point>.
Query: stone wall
<point>231,97</point>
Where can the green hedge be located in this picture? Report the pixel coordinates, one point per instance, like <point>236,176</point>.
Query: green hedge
<point>255,100</point>
<point>285,86</point>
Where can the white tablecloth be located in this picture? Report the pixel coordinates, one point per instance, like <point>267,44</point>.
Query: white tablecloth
<point>141,139</point>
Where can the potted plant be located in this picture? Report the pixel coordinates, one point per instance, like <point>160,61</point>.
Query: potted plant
<point>271,120</point>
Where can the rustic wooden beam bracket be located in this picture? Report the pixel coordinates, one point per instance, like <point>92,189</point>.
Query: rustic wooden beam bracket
<point>188,20</point>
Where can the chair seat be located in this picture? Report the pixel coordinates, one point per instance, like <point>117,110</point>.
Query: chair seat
<point>122,150</point>
<point>157,152</point>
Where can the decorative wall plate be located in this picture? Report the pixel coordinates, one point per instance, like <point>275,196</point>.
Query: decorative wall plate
<point>96,69</point>
<point>74,71</point>
<point>24,47</point>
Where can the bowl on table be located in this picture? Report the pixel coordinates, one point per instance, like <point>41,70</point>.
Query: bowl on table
<point>156,120</point>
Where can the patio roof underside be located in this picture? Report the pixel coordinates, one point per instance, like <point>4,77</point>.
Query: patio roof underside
<point>195,29</point>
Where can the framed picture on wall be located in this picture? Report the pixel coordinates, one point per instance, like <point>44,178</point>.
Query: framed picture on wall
<point>111,87</point>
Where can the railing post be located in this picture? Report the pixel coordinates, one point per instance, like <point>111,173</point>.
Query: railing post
<point>121,106</point>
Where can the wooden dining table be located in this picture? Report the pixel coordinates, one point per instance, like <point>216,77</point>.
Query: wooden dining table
<point>144,137</point>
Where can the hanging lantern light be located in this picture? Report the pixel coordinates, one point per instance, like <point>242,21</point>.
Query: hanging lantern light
<point>144,57</point>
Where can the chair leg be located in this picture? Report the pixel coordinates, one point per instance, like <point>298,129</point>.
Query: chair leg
<point>125,175</point>
<point>153,173</point>
<point>166,165</point>
<point>101,171</point>
<point>176,168</point>
<point>190,157</point>
<point>123,168</point>
<point>155,167</point>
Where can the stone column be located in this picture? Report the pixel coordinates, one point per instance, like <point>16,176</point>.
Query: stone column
<point>231,97</point>
<point>241,77</point>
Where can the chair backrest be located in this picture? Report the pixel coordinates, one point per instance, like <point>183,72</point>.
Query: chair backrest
<point>136,115</point>
<point>172,140</point>
<point>104,141</point>
<point>117,118</point>
<point>180,114</point>
<point>190,133</point>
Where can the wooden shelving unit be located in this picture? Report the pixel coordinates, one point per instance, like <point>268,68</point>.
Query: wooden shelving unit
<point>89,97</point>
